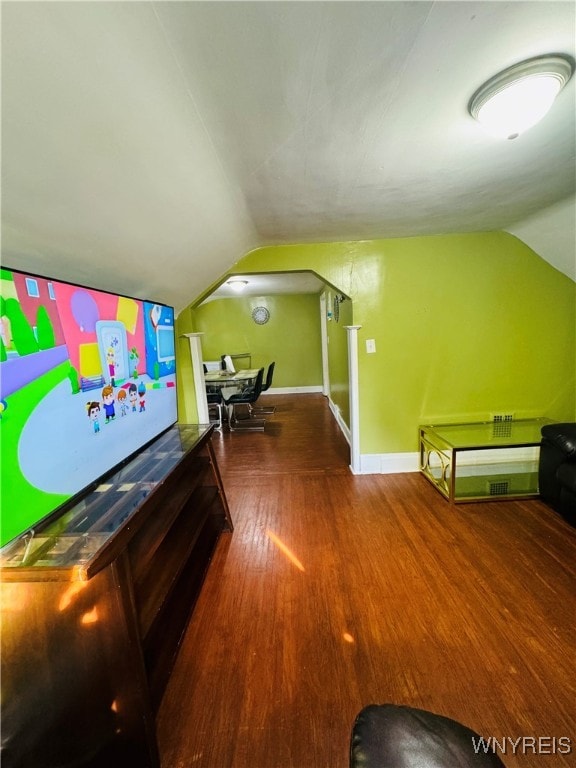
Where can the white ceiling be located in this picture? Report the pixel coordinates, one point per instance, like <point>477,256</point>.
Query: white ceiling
<point>269,284</point>
<point>147,146</point>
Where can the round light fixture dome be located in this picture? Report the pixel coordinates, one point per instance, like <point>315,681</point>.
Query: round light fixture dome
<point>519,97</point>
<point>237,285</point>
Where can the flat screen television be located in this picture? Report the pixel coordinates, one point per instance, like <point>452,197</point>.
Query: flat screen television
<point>87,378</point>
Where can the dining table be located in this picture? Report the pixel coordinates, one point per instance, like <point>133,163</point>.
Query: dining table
<point>224,378</point>
<point>230,383</point>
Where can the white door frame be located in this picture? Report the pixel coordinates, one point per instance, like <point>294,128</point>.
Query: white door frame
<point>352,331</point>
<point>324,342</point>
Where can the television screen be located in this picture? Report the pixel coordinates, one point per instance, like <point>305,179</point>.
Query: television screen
<point>86,379</point>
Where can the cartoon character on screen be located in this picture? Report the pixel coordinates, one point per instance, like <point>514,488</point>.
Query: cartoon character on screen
<point>133,396</point>
<point>111,361</point>
<point>142,396</point>
<point>122,399</point>
<point>108,402</point>
<point>93,409</point>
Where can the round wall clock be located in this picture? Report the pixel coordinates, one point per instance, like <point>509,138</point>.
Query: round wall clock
<point>260,315</point>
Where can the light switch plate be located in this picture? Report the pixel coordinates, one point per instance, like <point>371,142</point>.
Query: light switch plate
<point>370,346</point>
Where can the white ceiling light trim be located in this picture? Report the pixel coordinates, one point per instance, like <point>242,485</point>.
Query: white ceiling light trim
<point>519,97</point>
<point>237,285</point>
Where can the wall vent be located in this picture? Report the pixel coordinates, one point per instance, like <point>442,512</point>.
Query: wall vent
<point>502,424</point>
<point>500,487</point>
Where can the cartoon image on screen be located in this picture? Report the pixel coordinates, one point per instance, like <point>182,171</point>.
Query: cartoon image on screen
<point>86,378</point>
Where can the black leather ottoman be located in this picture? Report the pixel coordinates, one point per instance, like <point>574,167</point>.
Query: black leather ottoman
<point>391,736</point>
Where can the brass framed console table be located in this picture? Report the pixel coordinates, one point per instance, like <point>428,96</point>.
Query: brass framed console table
<point>478,461</point>
<point>95,603</point>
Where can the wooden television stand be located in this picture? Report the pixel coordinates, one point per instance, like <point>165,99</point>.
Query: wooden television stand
<point>94,607</point>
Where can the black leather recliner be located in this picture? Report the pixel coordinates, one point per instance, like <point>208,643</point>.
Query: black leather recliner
<point>557,469</point>
<point>392,736</point>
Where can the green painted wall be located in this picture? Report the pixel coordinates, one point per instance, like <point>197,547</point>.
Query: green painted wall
<point>187,410</point>
<point>291,337</point>
<point>465,326</point>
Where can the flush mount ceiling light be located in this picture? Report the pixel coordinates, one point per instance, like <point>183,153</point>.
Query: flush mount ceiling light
<point>237,285</point>
<point>519,97</point>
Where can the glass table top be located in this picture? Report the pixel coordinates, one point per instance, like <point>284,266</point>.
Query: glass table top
<point>488,434</point>
<point>80,531</point>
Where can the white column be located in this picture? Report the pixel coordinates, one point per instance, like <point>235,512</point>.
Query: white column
<point>352,331</point>
<point>198,371</point>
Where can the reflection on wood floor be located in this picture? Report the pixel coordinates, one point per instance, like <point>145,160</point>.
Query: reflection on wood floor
<point>336,591</point>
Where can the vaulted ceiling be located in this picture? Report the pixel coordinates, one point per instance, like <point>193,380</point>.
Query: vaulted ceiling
<point>147,146</point>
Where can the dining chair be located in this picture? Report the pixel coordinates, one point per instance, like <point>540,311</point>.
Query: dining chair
<point>227,364</point>
<point>247,397</point>
<point>267,384</point>
<point>215,400</point>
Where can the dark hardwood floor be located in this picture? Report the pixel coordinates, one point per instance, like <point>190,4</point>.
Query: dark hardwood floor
<point>336,591</point>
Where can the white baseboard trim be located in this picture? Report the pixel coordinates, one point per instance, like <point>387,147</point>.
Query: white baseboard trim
<point>340,421</point>
<point>476,462</point>
<point>292,391</point>
<point>498,455</point>
<point>388,463</point>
